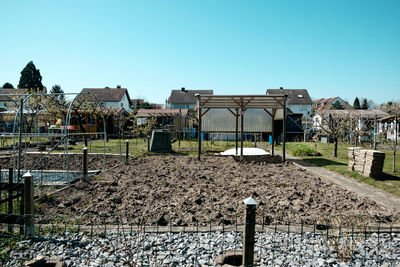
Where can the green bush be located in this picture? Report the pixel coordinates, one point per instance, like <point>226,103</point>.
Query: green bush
<point>301,150</point>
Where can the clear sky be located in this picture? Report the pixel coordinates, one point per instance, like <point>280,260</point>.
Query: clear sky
<point>343,48</point>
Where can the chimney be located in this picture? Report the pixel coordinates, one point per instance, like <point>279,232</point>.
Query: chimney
<point>118,86</point>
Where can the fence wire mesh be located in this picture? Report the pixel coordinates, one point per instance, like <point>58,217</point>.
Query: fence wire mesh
<point>139,244</point>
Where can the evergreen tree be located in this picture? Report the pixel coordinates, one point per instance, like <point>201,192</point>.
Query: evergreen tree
<point>8,86</point>
<point>31,78</point>
<point>56,89</point>
<point>337,105</point>
<point>356,104</point>
<point>365,104</point>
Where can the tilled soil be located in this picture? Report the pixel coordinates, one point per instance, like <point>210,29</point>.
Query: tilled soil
<point>57,161</point>
<point>180,190</point>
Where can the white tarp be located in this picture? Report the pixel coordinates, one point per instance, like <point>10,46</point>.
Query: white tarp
<point>247,151</point>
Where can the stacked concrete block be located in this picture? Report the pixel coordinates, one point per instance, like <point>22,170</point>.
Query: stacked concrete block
<point>366,162</point>
<point>374,163</point>
<point>352,157</point>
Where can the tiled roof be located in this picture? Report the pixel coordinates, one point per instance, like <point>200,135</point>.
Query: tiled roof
<point>108,94</point>
<point>295,96</point>
<point>354,113</point>
<point>162,112</point>
<point>184,96</point>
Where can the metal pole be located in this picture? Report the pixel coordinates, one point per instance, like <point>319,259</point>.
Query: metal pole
<point>85,168</point>
<point>28,201</point>
<point>199,135</point>
<point>284,133</point>
<point>21,117</point>
<point>126,152</point>
<point>148,143</point>
<point>248,240</point>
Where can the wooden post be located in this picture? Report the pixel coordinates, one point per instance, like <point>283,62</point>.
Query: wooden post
<point>179,127</point>
<point>84,163</point>
<point>28,199</point>
<point>375,128</point>
<point>248,240</point>
<point>395,143</point>
<point>126,152</point>
<point>284,133</point>
<point>199,135</point>
<point>237,131</point>
<point>241,133</point>
<point>10,194</point>
<point>273,132</point>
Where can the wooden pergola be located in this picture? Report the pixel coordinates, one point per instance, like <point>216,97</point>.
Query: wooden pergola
<point>237,105</point>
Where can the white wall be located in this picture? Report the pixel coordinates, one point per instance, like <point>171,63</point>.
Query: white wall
<point>124,101</point>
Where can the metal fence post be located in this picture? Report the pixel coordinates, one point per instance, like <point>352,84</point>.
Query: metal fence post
<point>85,168</point>
<point>148,143</point>
<point>10,194</point>
<point>248,241</point>
<point>127,153</point>
<point>28,199</point>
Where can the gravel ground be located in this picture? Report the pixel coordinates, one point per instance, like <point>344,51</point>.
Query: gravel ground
<point>201,249</point>
<point>180,190</point>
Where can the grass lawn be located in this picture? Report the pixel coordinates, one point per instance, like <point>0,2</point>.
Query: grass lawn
<point>138,146</point>
<point>389,182</point>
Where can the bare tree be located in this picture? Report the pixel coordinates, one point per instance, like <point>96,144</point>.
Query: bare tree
<point>83,109</point>
<point>141,129</point>
<point>333,124</point>
<point>393,108</point>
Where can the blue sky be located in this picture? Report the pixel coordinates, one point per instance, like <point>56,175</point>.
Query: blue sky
<point>332,48</point>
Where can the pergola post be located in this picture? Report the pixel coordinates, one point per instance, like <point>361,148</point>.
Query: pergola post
<point>237,131</point>
<point>241,133</point>
<point>273,132</point>
<point>199,133</point>
<point>284,133</point>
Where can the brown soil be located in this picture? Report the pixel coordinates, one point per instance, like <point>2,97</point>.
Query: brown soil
<point>180,190</point>
<point>56,161</point>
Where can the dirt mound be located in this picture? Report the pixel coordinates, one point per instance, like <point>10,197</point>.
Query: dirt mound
<point>180,190</point>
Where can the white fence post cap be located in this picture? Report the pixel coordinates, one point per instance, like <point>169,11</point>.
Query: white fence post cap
<point>250,201</point>
<point>28,174</point>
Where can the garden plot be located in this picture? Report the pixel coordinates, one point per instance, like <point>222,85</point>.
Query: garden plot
<point>180,190</point>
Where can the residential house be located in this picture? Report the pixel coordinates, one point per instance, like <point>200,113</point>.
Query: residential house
<point>185,99</point>
<point>361,122</point>
<point>327,103</point>
<point>299,101</point>
<point>112,97</point>
<point>172,119</point>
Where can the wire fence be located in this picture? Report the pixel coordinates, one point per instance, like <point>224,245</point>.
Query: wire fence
<point>136,243</point>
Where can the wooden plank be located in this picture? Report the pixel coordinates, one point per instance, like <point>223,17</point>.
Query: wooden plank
<point>11,218</point>
<point>12,187</point>
<point>20,194</point>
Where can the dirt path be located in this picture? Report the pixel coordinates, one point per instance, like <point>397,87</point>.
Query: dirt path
<point>180,190</point>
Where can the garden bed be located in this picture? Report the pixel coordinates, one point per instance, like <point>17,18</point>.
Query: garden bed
<point>180,190</point>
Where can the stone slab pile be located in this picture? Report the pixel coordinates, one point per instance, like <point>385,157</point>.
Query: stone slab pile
<point>366,162</point>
